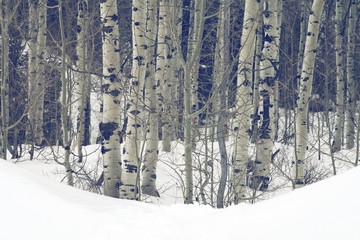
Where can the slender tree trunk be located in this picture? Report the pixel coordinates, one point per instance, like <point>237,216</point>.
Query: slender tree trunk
<point>40,75</point>
<point>110,125</point>
<point>305,91</point>
<point>33,32</point>
<point>164,74</point>
<point>303,25</point>
<point>82,77</point>
<point>130,177</point>
<point>351,94</point>
<point>4,18</point>
<point>255,117</point>
<point>340,100</point>
<point>268,77</point>
<point>151,87</point>
<point>220,66</point>
<point>64,103</point>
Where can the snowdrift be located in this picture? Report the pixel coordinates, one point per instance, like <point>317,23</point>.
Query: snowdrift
<point>36,207</point>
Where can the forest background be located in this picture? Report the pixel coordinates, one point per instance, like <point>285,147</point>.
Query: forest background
<point>259,96</point>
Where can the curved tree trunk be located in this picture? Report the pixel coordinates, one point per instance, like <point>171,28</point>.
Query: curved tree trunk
<point>110,125</point>
<point>306,80</point>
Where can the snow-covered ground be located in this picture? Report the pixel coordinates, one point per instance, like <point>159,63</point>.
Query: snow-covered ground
<point>36,206</point>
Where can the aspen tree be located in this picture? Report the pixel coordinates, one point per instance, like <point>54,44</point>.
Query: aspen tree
<point>110,125</point>
<point>129,188</point>
<point>64,103</point>
<point>33,32</point>
<point>151,87</point>
<point>244,96</point>
<point>40,68</point>
<point>255,117</point>
<point>268,78</point>
<point>82,81</point>
<point>340,78</point>
<point>4,18</point>
<point>306,81</point>
<point>164,73</point>
<point>351,100</point>
<point>220,78</point>
<point>192,60</point>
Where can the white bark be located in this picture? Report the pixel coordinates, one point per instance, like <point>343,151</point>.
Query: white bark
<point>305,91</point>
<point>110,125</point>
<point>64,102</point>
<point>190,69</point>
<point>268,78</point>
<point>219,84</point>
<point>130,177</point>
<point>151,87</point>
<point>164,73</point>
<point>40,68</point>
<point>351,101</point>
<point>244,96</point>
<point>340,100</point>
<point>82,80</point>
<point>33,32</point>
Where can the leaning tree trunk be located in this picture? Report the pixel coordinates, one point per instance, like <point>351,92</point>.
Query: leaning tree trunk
<point>151,87</point>
<point>129,188</point>
<point>82,81</point>
<point>268,78</point>
<point>351,93</point>
<point>64,103</point>
<point>110,125</point>
<point>244,96</point>
<point>340,101</point>
<point>306,81</point>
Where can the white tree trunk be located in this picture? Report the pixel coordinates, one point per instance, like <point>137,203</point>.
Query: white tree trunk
<point>340,78</point>
<point>82,80</point>
<point>110,125</point>
<point>306,80</point>
<point>164,74</point>
<point>130,177</point>
<point>268,78</point>
<point>244,96</point>
<point>351,100</point>
<point>33,24</point>
<point>64,102</point>
<point>151,87</point>
<point>40,68</point>
<point>220,80</point>
<point>4,18</point>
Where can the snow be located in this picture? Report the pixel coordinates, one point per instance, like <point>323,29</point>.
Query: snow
<point>35,206</point>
